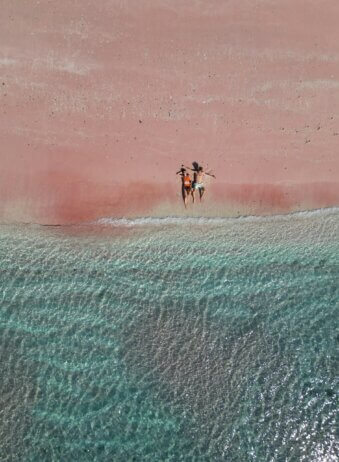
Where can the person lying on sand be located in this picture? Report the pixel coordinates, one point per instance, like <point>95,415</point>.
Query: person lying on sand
<point>198,179</point>
<point>186,186</point>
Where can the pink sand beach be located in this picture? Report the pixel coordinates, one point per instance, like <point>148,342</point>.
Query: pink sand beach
<point>101,102</point>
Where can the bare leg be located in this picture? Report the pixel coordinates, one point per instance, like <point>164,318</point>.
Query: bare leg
<point>183,193</point>
<point>185,200</point>
<point>201,192</point>
<point>192,192</point>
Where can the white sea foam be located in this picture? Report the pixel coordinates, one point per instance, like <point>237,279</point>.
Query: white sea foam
<point>175,220</point>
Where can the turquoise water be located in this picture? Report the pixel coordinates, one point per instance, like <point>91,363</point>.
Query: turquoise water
<point>170,340</point>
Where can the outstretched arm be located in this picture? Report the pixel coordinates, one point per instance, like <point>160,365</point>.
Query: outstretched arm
<point>195,170</point>
<point>211,174</point>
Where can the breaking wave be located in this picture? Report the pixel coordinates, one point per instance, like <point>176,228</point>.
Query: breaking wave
<point>176,220</point>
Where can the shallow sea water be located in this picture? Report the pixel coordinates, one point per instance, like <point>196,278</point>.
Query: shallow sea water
<point>170,340</point>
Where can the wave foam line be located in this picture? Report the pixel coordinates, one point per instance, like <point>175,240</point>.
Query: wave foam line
<point>160,221</point>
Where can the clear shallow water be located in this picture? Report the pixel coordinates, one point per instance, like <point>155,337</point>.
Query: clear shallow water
<point>170,340</point>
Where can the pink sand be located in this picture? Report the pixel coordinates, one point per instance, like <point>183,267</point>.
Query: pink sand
<point>102,101</point>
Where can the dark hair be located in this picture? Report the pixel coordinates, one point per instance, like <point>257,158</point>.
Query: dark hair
<point>200,169</point>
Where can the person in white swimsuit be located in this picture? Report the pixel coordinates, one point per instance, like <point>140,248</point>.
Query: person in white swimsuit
<point>198,180</point>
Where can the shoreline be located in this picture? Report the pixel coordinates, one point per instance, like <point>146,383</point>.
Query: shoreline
<point>138,220</point>
<point>63,206</point>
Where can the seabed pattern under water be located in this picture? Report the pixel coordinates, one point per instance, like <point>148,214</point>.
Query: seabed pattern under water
<point>170,340</point>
